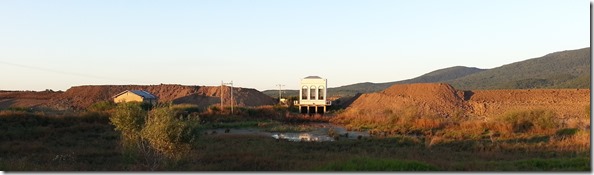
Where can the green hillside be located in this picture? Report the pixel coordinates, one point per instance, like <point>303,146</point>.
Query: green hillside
<point>442,75</point>
<point>565,69</point>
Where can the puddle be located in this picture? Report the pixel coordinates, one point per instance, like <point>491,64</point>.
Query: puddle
<point>302,137</point>
<point>320,134</point>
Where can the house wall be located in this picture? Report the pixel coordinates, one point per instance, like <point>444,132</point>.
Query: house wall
<point>313,85</point>
<point>128,97</point>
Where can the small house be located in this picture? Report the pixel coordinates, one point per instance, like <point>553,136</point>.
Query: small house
<point>312,95</point>
<point>135,96</point>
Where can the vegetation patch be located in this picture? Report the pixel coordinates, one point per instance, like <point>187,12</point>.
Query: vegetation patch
<point>555,164</point>
<point>370,164</point>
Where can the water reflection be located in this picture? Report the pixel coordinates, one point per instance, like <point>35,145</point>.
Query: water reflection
<point>320,134</point>
<point>302,137</point>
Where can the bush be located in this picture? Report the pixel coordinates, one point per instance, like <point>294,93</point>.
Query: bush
<point>128,118</point>
<point>524,121</point>
<point>167,134</point>
<point>189,108</point>
<point>154,135</point>
<point>102,106</point>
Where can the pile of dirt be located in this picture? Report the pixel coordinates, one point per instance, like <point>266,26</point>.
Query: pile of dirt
<point>440,99</point>
<point>566,103</point>
<point>25,99</point>
<point>83,96</point>
<point>80,97</point>
<point>426,98</point>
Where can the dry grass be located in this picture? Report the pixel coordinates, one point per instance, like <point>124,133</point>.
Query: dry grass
<point>88,142</point>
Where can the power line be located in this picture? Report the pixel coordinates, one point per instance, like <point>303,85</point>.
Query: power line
<point>280,89</point>
<point>62,72</point>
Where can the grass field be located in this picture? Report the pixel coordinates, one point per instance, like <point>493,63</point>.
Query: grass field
<point>87,141</point>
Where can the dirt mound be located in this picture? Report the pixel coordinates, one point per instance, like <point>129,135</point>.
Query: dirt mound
<point>565,102</point>
<point>80,97</point>
<point>427,98</point>
<point>439,99</point>
<point>25,99</point>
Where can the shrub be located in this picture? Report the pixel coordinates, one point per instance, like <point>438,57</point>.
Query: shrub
<point>566,132</point>
<point>523,121</point>
<point>154,136</point>
<point>129,119</point>
<point>190,108</point>
<point>167,134</point>
<point>102,106</point>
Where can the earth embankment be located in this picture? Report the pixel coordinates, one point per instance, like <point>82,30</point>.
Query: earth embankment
<point>80,97</point>
<point>440,99</point>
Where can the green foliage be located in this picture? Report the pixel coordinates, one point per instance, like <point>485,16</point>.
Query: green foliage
<point>369,164</point>
<point>160,132</point>
<point>568,164</point>
<point>129,119</point>
<point>102,106</point>
<point>565,132</point>
<point>166,133</point>
<point>551,70</point>
<point>23,109</point>
<point>523,121</point>
<point>527,84</point>
<point>189,108</point>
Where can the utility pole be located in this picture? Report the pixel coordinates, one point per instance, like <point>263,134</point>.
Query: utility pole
<point>231,94</point>
<point>231,97</point>
<point>280,90</point>
<point>221,94</point>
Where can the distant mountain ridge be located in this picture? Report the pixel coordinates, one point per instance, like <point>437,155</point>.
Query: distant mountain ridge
<point>564,69</point>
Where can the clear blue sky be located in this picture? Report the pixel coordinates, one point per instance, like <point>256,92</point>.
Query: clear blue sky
<point>259,43</point>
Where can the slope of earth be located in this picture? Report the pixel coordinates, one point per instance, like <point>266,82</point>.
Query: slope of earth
<point>79,97</point>
<point>443,100</point>
<point>425,98</point>
<point>25,99</point>
<point>566,103</point>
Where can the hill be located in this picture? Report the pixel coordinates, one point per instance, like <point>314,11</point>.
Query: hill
<point>565,69</point>
<point>80,97</point>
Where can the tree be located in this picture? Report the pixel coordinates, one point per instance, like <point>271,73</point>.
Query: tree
<point>129,119</point>
<point>155,135</point>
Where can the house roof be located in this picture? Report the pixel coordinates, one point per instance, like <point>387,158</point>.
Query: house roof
<point>143,94</point>
<point>313,77</point>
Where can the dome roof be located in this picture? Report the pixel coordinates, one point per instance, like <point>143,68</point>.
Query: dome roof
<point>313,77</point>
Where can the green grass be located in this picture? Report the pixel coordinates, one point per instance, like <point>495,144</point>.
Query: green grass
<point>539,164</point>
<point>369,164</point>
<point>33,142</point>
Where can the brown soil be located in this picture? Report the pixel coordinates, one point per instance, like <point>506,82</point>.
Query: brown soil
<point>25,99</point>
<point>443,100</point>
<point>565,102</point>
<point>80,97</point>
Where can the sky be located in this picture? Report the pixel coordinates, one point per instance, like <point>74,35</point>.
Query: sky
<point>261,43</point>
